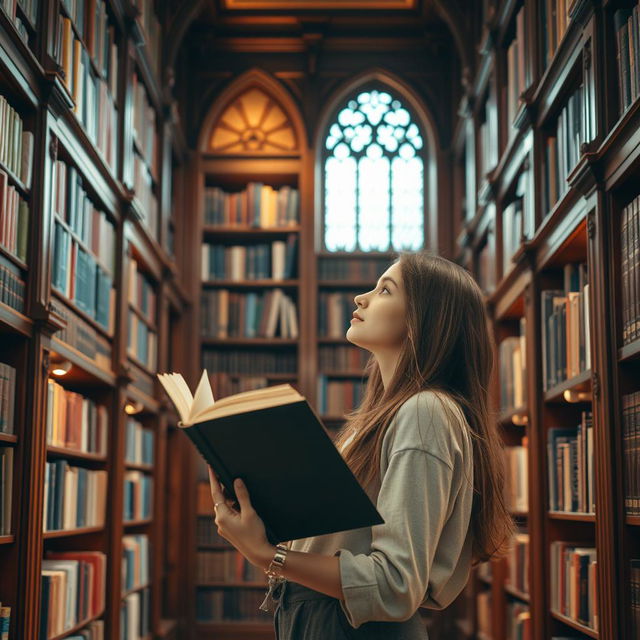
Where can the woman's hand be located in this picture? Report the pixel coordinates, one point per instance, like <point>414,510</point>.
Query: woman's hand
<point>243,529</point>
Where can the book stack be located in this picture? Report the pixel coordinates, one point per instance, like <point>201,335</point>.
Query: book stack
<point>512,231</point>
<point>138,496</point>
<point>517,483</point>
<point>566,332</point>
<point>93,631</point>
<point>16,145</point>
<point>570,465</point>
<point>148,21</point>
<point>258,205</point>
<point>74,497</point>
<point>206,534</point>
<point>225,384</point>
<point>573,582</point>
<point>135,615</point>
<point>14,219</point>
<point>630,271</point>
<point>12,285</point>
<point>135,562</point>
<point>332,358</point>
<point>229,314</point>
<point>275,261</point>
<point>75,422</point>
<point>518,622</point>
<point>5,621</point>
<point>555,20</point>
<point>6,489</point>
<point>626,22</point>
<point>29,10</point>
<point>142,338</point>
<point>255,362</point>
<point>631,451</point>
<point>513,370</point>
<point>7,398</point>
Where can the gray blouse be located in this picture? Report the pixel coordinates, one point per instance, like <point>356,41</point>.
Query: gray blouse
<point>421,555</point>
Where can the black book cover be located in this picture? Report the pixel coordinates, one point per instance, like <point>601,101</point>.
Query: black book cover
<point>298,482</point>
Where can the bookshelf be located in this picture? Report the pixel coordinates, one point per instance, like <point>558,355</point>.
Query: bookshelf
<point>253,228</point>
<point>74,78</point>
<point>560,202</point>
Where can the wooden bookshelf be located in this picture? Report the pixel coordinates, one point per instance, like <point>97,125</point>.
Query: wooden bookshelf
<point>568,217</point>
<point>50,324</point>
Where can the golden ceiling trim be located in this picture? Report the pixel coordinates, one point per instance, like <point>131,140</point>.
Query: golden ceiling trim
<point>311,5</point>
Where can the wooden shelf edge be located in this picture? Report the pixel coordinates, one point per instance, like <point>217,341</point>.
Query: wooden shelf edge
<point>570,515</point>
<point>574,624</point>
<point>63,533</point>
<point>578,383</point>
<point>77,627</point>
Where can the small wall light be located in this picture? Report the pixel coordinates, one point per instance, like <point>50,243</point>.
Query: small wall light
<point>60,368</point>
<point>132,408</point>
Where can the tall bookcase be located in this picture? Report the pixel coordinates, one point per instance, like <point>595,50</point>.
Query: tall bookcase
<point>252,226</point>
<point>91,287</point>
<point>551,213</point>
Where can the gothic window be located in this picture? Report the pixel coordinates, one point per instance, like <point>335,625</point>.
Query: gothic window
<point>373,177</point>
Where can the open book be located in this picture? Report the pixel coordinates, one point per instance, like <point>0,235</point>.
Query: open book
<point>298,482</point>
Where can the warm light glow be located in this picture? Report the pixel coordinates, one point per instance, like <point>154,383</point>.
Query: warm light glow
<point>60,368</point>
<point>570,395</point>
<point>520,419</point>
<point>132,408</point>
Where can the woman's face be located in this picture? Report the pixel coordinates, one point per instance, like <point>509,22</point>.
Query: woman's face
<point>382,312</point>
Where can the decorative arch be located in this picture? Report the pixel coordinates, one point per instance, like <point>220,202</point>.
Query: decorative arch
<point>254,115</point>
<point>428,151</point>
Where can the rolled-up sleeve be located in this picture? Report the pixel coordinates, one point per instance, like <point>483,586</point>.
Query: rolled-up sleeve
<point>391,581</point>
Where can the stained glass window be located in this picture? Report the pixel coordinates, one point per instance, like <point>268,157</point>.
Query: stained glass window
<point>373,177</point>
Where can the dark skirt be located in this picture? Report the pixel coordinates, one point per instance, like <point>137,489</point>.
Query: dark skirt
<point>305,614</point>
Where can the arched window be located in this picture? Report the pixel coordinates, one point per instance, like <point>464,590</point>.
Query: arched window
<point>373,176</point>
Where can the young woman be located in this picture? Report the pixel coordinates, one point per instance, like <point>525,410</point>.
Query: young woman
<point>425,449</point>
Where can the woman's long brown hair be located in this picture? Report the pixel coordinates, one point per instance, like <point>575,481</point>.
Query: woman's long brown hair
<point>449,349</point>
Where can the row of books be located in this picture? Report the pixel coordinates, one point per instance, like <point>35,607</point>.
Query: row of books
<point>570,463</point>
<point>12,285</point>
<point>513,370</point>
<point>91,21</point>
<point>78,277</point>
<point>79,334</point>
<point>93,631</point>
<point>518,625</point>
<point>518,563</point>
<point>222,605</point>
<point>562,150</point>
<point>254,362</point>
<point>73,590</point>
<point>95,105</point>
<point>143,185</point>
<point>337,397</point>
<point>138,496</point>
<point>135,562</point>
<point>77,211</point>
<point>74,497</point>
<point>566,328</point>
<point>226,566</point>
<point>335,310</point>
<point>516,78</point>
<point>135,615</point>
<point>142,293</point>
<point>332,358</point>
<point>366,269</point>
<point>513,229</point>
<point>139,441</point>
<point>487,145</point>
<point>6,489</point>
<point>630,270</point>
<point>555,20</point>
<point>207,535</point>
<point>142,342</point>
<point>7,398</point>
<point>626,23</point>
<point>29,9</point>
<point>228,314</point>
<point>144,127</point>
<point>573,582</point>
<point>517,477</point>
<point>258,205</point>
<point>631,451</point>
<point>224,384</point>
<point>16,144</point>
<point>75,421</point>
<point>14,219</point>
<point>275,261</point>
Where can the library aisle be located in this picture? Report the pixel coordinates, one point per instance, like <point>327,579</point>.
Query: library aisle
<point>208,184</point>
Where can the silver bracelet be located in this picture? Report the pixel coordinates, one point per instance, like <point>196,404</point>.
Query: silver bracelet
<point>277,562</point>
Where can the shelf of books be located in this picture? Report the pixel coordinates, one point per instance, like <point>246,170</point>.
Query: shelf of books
<point>559,278</point>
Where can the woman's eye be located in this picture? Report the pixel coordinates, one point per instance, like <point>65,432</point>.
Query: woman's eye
<point>384,289</point>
